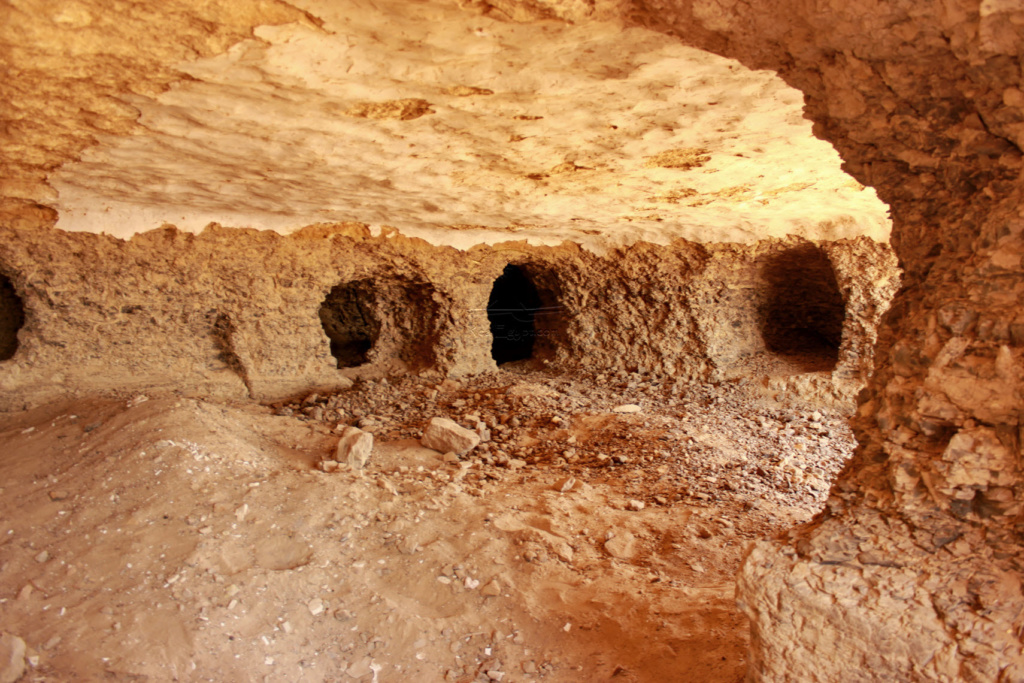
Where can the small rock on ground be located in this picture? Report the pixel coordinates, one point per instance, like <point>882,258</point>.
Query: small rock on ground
<point>12,658</point>
<point>444,435</point>
<point>355,447</point>
<point>622,546</point>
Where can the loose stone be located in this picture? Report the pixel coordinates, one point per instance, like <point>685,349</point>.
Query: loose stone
<point>355,447</point>
<point>444,435</point>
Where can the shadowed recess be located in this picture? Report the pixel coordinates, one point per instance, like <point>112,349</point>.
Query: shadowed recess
<point>511,310</point>
<point>347,317</point>
<point>12,317</point>
<point>804,310</point>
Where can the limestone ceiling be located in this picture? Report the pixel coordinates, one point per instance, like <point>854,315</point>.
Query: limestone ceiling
<point>462,128</point>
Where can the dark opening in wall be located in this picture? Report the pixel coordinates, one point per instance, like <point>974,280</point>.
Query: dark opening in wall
<point>347,315</point>
<point>512,310</point>
<point>804,310</point>
<point>12,317</point>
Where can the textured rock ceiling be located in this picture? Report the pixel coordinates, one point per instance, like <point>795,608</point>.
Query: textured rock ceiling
<point>423,115</point>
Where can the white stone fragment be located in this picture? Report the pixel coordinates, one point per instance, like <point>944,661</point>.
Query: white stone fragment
<point>565,484</point>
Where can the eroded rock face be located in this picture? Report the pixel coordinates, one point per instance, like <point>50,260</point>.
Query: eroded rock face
<point>443,118</point>
<point>912,573</point>
<point>69,64</point>
<point>919,540</point>
<point>234,313</point>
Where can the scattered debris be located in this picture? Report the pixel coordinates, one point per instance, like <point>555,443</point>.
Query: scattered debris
<point>563,511</point>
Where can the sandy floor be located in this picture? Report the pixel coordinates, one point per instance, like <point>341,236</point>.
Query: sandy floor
<point>176,539</point>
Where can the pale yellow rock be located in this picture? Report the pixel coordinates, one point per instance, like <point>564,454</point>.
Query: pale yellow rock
<point>621,546</point>
<point>12,658</point>
<point>606,136</point>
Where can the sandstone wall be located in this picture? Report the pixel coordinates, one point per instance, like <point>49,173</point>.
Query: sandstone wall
<point>782,294</point>
<point>67,66</point>
<point>238,312</point>
<point>914,568</point>
<point>913,571</point>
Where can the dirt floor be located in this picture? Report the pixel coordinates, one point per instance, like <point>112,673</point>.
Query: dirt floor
<point>180,539</point>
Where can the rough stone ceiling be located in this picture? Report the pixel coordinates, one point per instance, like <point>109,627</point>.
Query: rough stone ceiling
<point>422,115</point>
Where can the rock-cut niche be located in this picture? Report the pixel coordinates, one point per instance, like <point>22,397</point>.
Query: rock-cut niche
<point>12,317</point>
<point>387,317</point>
<point>803,309</point>
<point>512,311</point>
<point>349,320</point>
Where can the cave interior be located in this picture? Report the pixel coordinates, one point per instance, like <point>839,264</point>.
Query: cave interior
<point>511,340</point>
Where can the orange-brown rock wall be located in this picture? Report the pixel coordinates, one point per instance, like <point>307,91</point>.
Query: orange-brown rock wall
<point>912,571</point>
<point>237,312</point>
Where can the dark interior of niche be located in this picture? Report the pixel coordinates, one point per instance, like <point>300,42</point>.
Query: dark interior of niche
<point>512,311</point>
<point>12,317</point>
<point>349,320</point>
<point>804,309</point>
